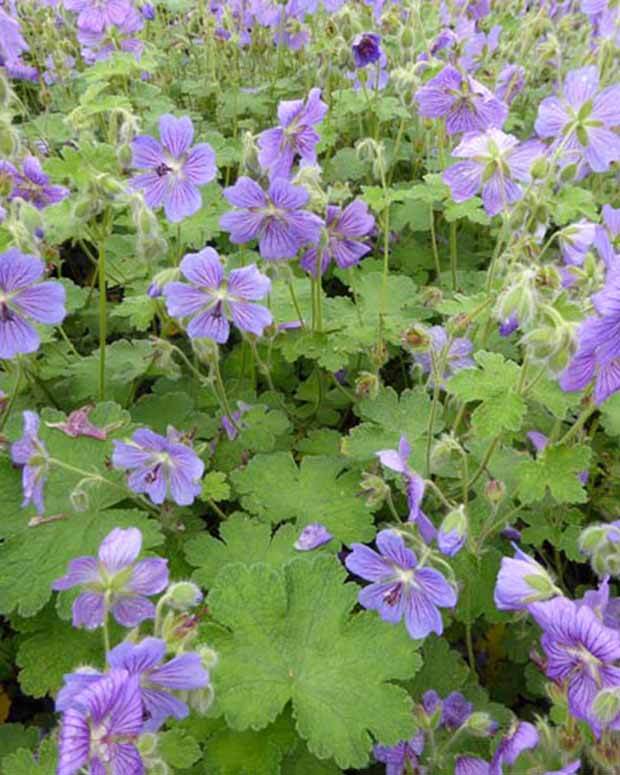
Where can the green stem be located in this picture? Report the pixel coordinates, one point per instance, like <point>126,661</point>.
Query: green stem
<point>14,393</point>
<point>579,423</point>
<point>453,255</point>
<point>485,461</point>
<point>434,244</point>
<point>102,317</point>
<point>295,301</point>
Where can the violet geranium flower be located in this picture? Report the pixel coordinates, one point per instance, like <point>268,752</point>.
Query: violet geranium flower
<point>465,104</point>
<point>23,297</point>
<point>343,238</point>
<point>212,300</point>
<point>456,358</point>
<point>402,757</point>
<point>100,730</point>
<point>34,186</point>
<point>114,582</point>
<point>400,588</point>
<point>30,452</point>
<point>522,581</point>
<point>12,43</point>
<point>176,170</point>
<point>296,135</point>
<point>276,218</point>
<point>97,15</point>
<point>495,163</point>
<point>312,536</point>
<point>522,737</point>
<point>157,679</point>
<point>581,651</point>
<point>160,464</point>
<point>582,120</point>
<point>366,48</point>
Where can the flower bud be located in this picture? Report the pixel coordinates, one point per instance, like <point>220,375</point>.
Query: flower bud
<point>147,743</point>
<point>201,700</point>
<point>183,595</point>
<point>540,168</point>
<point>367,385</point>
<point>521,581</point>
<point>416,339</point>
<point>520,298</point>
<point>162,279</point>
<point>209,657</point>
<point>453,532</point>
<point>606,705</point>
<point>374,490</point>
<point>206,351</point>
<point>480,724</point>
<point>495,491</point>
<point>601,544</point>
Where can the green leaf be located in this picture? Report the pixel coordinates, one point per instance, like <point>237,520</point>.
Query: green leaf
<point>276,490</point>
<point>293,639</point>
<point>572,203</point>
<point>242,540</point>
<point>23,762</point>
<point>32,559</point>
<point>387,417</point>
<point>178,749</point>
<point>215,487</point>
<point>443,669</point>
<point>494,384</point>
<point>555,470</point>
<point>138,310</point>
<point>16,736</point>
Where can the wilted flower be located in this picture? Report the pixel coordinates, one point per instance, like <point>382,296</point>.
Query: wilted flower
<point>22,296</point>
<point>78,424</point>
<point>30,452</point>
<point>275,218</point>
<point>312,536</point>
<point>162,465</point>
<point>400,588</point>
<point>211,300</point>
<point>114,582</point>
<point>176,170</point>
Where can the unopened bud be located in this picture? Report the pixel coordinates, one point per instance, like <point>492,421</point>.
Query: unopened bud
<point>374,490</point>
<point>209,657</point>
<point>147,743</point>
<point>183,595</point>
<point>480,724</point>
<point>416,339</point>
<point>540,168</point>
<point>606,705</point>
<point>367,385</point>
<point>495,491</point>
<point>453,532</point>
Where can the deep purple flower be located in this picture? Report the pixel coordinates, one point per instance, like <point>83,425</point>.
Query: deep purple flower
<point>275,218</point>
<point>582,121</point>
<point>176,170</point>
<point>100,731</point>
<point>457,357</point>
<point>522,737</point>
<point>402,757</point>
<point>12,43</point>
<point>30,452</point>
<point>455,709</point>
<point>23,297</point>
<point>33,185</point>
<point>581,652</point>
<point>295,136</point>
<point>148,11</point>
<point>342,241</point>
<point>161,465</point>
<point>96,15</point>
<point>211,300</point>
<point>312,536</point>
<point>465,104</point>
<point>114,582</point>
<point>496,164</point>
<point>400,588</point>
<point>157,678</point>
<point>510,83</point>
<point>522,581</point>
<point>366,48</point>
<point>398,460</point>
<point>509,326</point>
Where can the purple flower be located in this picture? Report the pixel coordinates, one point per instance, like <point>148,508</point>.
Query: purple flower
<point>456,358</point>
<point>576,240</point>
<point>97,15</point>
<point>342,241</point>
<point>312,536</point>
<point>148,11</point>
<point>510,83</point>
<point>496,164</point>
<point>30,452</point>
<point>23,297</point>
<point>455,709</point>
<point>581,652</point>
<point>176,170</point>
<point>400,587</point>
<point>465,104</point>
<point>522,737</point>
<point>452,532</point>
<point>227,422</point>
<point>607,609</point>
<point>366,48</point>
<point>99,46</point>
<point>582,120</point>
<point>212,300</point>
<point>295,136</point>
<point>161,464</point>
<point>607,235</point>
<point>398,460</point>
<point>569,769</point>
<point>114,582</point>
<point>12,43</point>
<point>276,218</point>
<point>509,326</point>
<point>157,679</point>
<point>522,581</point>
<point>33,186</point>
<point>402,757</point>
<point>100,731</point>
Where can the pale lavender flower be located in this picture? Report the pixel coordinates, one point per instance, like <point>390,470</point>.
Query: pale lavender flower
<point>606,608</point>
<point>12,43</point>
<point>342,241</point>
<point>312,536</point>
<point>276,218</point>
<point>569,769</point>
<point>522,581</point>
<point>581,122</point>
<point>522,737</point>
<point>400,589</point>
<point>101,730</point>
<point>457,357</point>
<point>158,678</point>
<point>606,239</point>
<point>294,137</point>
<point>33,185</point>
<point>211,299</point>
<point>99,46</point>
<point>114,582</point>
<point>30,452</point>
<point>464,103</point>
<point>161,465</point>
<point>402,757</point>
<point>576,240</point>
<point>176,169</point>
<point>580,651</point>
<point>97,15</point>
<point>23,298</point>
<point>496,164</point>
